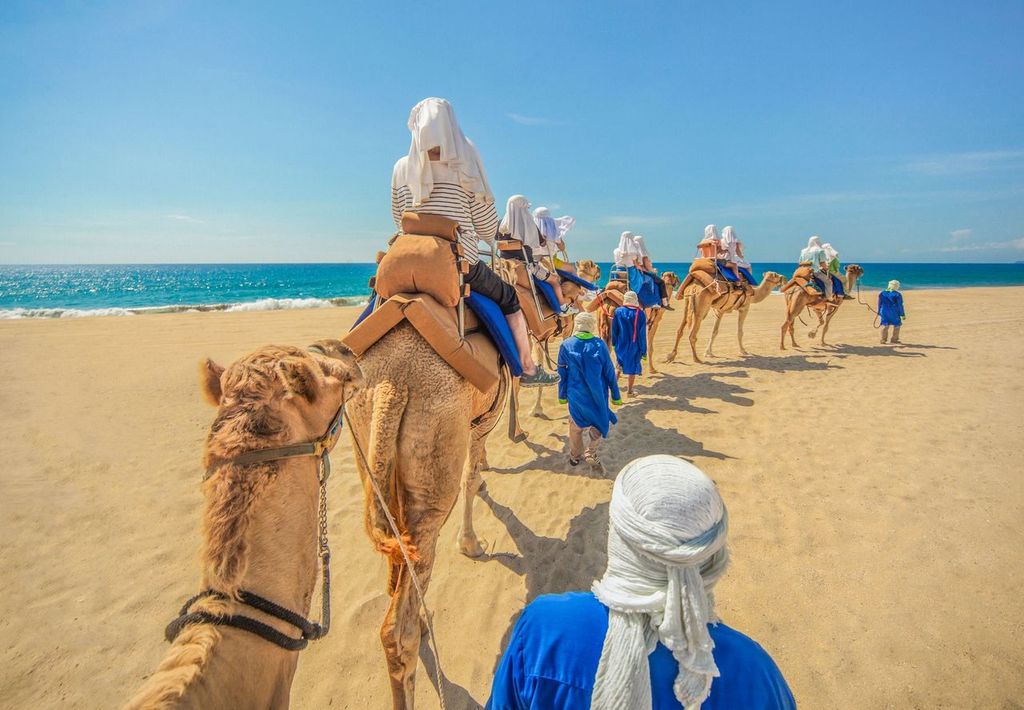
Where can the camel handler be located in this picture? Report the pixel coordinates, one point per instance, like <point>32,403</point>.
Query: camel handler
<point>646,636</point>
<point>890,311</point>
<point>443,175</point>
<point>518,224</point>
<point>814,255</point>
<point>586,378</point>
<point>629,338</point>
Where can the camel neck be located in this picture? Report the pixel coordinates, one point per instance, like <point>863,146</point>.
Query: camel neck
<point>762,291</point>
<point>243,670</point>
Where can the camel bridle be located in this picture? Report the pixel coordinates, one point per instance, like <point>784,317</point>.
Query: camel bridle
<point>320,449</point>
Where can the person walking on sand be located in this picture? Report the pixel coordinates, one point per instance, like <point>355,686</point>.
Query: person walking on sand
<point>890,311</point>
<point>629,338</point>
<point>646,636</point>
<point>443,175</point>
<point>587,378</point>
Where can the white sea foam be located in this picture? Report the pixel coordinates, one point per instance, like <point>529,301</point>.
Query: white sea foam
<point>265,304</point>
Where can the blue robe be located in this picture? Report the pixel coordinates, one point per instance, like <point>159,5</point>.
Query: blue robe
<point>629,338</point>
<point>551,662</point>
<point>890,308</point>
<point>586,376</point>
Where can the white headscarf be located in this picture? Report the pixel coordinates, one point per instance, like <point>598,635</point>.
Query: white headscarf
<point>629,298</point>
<point>641,247</point>
<point>711,232</point>
<point>553,228</point>
<point>829,251</point>
<point>894,285</point>
<point>666,551</point>
<point>729,242</point>
<point>518,222</point>
<point>584,323</point>
<point>433,125</point>
<point>626,253</point>
<point>814,242</point>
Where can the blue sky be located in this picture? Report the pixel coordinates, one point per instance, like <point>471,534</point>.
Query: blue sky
<point>171,131</point>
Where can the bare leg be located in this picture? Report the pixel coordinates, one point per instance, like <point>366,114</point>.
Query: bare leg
<point>517,322</point>
<point>629,385</point>
<point>885,334</point>
<point>896,333</point>
<point>557,285</point>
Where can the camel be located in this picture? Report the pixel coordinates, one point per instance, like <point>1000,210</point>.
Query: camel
<point>699,300</point>
<point>606,311</point>
<point>797,299</point>
<point>260,525</point>
<point>422,429</point>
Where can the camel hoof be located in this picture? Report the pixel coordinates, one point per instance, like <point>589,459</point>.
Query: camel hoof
<point>471,547</point>
<point>670,358</point>
<point>537,414</point>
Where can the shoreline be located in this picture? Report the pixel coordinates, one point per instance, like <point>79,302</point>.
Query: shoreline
<point>296,304</point>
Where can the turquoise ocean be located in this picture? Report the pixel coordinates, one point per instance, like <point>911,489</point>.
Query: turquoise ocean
<point>61,291</point>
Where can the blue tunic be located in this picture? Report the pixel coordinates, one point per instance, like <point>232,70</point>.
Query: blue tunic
<point>551,662</point>
<point>890,307</point>
<point>629,338</point>
<point>586,376</point>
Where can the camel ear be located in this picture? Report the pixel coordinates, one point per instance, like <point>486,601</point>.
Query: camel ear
<point>299,378</point>
<point>340,363</point>
<point>209,381</point>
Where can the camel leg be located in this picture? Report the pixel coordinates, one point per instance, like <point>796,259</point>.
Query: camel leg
<point>652,329</point>
<point>679,331</point>
<point>741,316</point>
<point>517,388</point>
<point>714,331</point>
<point>538,356</point>
<point>469,544</point>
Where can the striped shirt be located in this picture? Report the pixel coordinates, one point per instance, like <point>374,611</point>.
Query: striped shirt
<point>477,220</point>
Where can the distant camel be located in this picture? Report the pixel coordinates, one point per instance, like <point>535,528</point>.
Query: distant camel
<point>605,307</point>
<point>698,300</point>
<point>422,428</point>
<point>260,526</point>
<point>797,299</point>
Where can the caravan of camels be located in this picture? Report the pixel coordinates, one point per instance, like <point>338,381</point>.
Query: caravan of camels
<point>441,320</point>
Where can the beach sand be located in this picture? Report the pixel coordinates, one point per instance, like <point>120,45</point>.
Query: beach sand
<point>876,502</point>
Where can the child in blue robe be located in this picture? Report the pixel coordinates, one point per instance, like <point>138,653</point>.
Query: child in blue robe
<point>890,311</point>
<point>587,377</point>
<point>629,338</point>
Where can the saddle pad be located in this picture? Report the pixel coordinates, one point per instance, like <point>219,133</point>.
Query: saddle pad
<point>494,321</point>
<point>420,263</point>
<point>434,225</point>
<point>569,276</point>
<point>645,288</point>
<point>726,272</point>
<point>475,357</point>
<point>837,285</point>
<point>547,291</point>
<point>705,265</point>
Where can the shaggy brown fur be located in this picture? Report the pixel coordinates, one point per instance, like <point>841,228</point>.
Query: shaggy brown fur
<point>259,527</point>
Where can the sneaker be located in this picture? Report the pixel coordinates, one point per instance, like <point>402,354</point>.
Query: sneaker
<point>569,310</point>
<point>574,462</point>
<point>538,379</point>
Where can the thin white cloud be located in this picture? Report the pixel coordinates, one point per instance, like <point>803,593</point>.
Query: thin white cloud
<point>534,120</point>
<point>185,218</point>
<point>798,204</point>
<point>1013,244</point>
<point>627,220</point>
<point>961,234</point>
<point>963,163</point>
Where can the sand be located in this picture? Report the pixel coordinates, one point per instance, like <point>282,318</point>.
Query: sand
<point>875,496</point>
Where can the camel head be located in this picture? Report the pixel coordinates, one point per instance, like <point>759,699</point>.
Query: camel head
<point>671,280</point>
<point>588,270</point>
<point>278,395</point>
<point>620,286</point>
<point>775,279</point>
<point>854,270</point>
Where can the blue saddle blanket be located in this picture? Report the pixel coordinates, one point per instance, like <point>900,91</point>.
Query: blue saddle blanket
<point>570,276</point>
<point>548,293</point>
<point>837,285</point>
<point>728,275</point>
<point>748,275</point>
<point>493,320</point>
<point>645,287</point>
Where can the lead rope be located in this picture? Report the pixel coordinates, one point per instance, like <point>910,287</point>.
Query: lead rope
<point>325,549</point>
<point>438,672</point>
<point>878,316</point>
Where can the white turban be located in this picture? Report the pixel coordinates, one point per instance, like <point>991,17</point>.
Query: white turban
<point>666,551</point>
<point>641,247</point>
<point>584,323</point>
<point>629,298</point>
<point>829,251</point>
<point>518,222</point>
<point>814,242</point>
<point>729,242</point>
<point>553,228</point>
<point>433,125</point>
<point>626,253</point>
<point>894,285</point>
<point>711,232</point>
